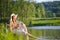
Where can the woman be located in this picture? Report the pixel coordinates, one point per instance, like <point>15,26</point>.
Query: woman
<point>18,27</point>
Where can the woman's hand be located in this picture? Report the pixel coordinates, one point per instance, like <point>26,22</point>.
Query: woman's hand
<point>17,25</point>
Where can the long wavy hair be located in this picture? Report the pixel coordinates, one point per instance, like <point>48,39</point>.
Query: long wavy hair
<point>12,19</point>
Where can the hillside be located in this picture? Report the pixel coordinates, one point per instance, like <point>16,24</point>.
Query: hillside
<point>53,7</point>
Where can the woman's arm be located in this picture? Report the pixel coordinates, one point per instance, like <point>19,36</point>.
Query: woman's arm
<point>11,26</point>
<point>24,27</point>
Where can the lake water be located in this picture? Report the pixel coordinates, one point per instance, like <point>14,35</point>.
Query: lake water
<point>45,32</point>
<point>44,27</point>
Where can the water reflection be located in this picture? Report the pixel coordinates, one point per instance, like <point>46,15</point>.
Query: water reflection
<point>45,32</point>
<point>44,27</point>
<point>48,38</point>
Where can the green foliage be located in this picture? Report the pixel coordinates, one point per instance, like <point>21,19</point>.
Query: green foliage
<point>27,10</point>
<point>8,35</point>
<point>40,11</point>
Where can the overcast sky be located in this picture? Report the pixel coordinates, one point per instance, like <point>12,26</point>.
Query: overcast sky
<point>41,0</point>
<point>46,0</point>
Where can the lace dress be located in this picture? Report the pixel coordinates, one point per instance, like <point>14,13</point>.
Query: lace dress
<point>20,28</point>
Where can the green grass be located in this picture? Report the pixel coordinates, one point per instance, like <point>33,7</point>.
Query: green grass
<point>46,22</point>
<point>10,36</point>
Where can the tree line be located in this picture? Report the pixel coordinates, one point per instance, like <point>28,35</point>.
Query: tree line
<point>25,10</point>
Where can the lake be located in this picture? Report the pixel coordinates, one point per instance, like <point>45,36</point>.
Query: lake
<point>45,32</point>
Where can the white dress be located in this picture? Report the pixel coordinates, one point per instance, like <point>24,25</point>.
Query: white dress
<point>20,29</point>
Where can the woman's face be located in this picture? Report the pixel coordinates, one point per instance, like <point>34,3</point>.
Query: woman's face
<point>14,17</point>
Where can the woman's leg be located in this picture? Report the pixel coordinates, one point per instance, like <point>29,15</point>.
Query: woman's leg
<point>29,35</point>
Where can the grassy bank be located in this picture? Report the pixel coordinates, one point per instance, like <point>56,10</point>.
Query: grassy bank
<point>52,22</point>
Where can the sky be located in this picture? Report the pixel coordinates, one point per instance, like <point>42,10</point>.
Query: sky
<point>41,0</point>
<point>46,0</point>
